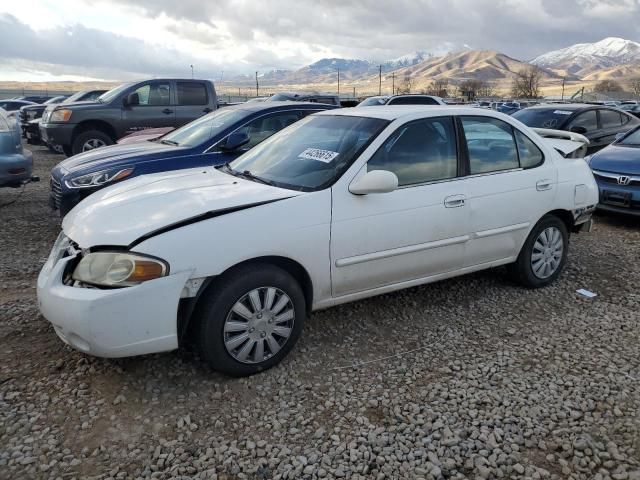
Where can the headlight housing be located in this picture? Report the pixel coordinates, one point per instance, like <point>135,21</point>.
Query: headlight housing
<point>99,178</point>
<point>118,269</point>
<point>61,115</point>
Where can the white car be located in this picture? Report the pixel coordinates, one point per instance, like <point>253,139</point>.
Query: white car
<point>343,205</point>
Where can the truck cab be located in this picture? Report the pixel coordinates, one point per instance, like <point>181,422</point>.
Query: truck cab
<point>127,108</point>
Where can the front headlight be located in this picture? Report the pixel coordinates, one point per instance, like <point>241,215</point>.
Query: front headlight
<point>118,269</point>
<point>62,115</point>
<point>99,178</point>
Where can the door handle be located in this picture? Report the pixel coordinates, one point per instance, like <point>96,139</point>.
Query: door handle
<point>542,185</point>
<point>167,111</point>
<point>454,201</point>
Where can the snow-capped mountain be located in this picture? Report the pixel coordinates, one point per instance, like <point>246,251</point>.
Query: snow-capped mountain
<point>584,58</point>
<point>407,60</point>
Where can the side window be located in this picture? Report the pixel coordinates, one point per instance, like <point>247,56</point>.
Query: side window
<point>262,128</point>
<point>610,119</point>
<point>627,118</point>
<point>490,143</point>
<point>530,155</point>
<point>192,93</point>
<point>588,120</point>
<point>419,152</point>
<point>154,94</point>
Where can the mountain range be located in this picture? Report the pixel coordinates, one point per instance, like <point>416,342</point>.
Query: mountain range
<point>610,58</point>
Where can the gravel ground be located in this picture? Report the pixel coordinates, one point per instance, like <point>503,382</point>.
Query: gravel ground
<point>468,378</point>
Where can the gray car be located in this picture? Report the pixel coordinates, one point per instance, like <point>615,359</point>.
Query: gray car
<point>16,163</point>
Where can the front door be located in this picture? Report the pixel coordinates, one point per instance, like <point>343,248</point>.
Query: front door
<point>155,108</point>
<point>416,231</point>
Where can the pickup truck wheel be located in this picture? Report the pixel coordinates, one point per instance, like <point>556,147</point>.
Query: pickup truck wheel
<point>543,255</point>
<point>90,140</point>
<point>250,320</point>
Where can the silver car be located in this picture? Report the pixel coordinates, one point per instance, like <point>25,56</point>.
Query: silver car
<point>16,163</point>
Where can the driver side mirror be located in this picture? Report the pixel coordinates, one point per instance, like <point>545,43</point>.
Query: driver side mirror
<point>579,129</point>
<point>376,181</point>
<point>132,99</point>
<point>235,141</point>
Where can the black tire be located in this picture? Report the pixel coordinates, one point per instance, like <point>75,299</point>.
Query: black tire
<point>66,150</point>
<point>216,304</point>
<point>89,136</point>
<point>522,270</point>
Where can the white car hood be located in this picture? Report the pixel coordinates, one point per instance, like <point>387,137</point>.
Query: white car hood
<point>125,213</point>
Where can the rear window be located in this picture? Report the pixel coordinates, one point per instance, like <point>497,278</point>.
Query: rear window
<point>413,101</point>
<point>543,118</point>
<point>191,93</point>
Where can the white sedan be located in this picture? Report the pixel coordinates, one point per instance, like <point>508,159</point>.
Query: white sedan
<point>343,205</point>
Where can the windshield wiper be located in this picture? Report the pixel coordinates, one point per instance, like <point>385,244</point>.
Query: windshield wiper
<point>169,142</point>
<point>246,174</point>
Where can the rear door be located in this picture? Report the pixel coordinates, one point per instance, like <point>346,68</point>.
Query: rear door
<point>510,186</point>
<point>155,108</point>
<point>192,101</point>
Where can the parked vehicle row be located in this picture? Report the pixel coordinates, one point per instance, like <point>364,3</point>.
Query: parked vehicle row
<point>411,99</point>
<point>439,191</point>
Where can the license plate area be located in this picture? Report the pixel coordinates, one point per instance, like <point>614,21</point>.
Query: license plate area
<point>619,199</point>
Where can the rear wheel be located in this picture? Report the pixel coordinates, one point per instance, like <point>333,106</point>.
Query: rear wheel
<point>251,319</point>
<point>90,140</point>
<point>543,255</point>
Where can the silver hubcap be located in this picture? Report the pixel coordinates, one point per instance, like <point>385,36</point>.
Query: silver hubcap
<point>258,325</point>
<point>547,252</point>
<point>93,143</point>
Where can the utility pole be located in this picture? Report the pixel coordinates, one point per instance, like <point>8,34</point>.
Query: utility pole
<point>257,94</point>
<point>191,71</point>
<point>393,83</point>
<point>338,83</point>
<point>354,92</point>
<point>563,89</point>
<point>380,80</point>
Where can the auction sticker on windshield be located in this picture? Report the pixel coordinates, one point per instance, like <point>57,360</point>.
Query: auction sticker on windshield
<point>562,112</point>
<point>325,156</point>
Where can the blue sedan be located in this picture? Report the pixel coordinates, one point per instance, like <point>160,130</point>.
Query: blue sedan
<point>616,168</point>
<point>213,139</point>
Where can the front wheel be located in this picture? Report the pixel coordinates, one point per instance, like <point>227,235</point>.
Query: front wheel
<point>90,140</point>
<point>250,320</point>
<point>543,255</point>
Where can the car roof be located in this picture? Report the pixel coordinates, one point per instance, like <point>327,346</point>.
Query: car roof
<point>564,106</point>
<point>394,112</point>
<point>284,105</point>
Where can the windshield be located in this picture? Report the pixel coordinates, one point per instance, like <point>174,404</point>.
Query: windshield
<point>204,128</point>
<point>373,101</point>
<point>311,154</point>
<point>633,139</point>
<point>114,92</point>
<point>543,117</point>
<point>283,97</point>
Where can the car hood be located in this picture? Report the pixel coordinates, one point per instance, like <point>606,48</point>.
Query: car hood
<point>617,159</point>
<point>126,212</point>
<point>115,155</point>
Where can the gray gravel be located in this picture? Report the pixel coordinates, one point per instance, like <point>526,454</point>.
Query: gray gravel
<point>468,378</point>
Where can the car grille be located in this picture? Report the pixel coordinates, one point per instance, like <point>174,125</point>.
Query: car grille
<point>612,178</point>
<point>56,193</point>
